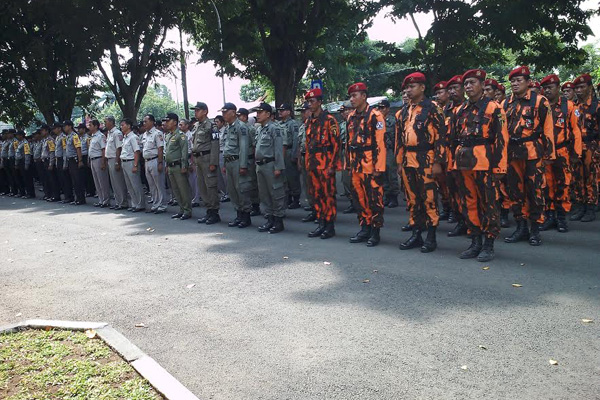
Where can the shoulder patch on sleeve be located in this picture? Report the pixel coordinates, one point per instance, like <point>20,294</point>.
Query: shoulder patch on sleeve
<point>379,125</point>
<point>577,113</point>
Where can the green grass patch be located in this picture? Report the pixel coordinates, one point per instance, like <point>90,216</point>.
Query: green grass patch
<point>40,365</point>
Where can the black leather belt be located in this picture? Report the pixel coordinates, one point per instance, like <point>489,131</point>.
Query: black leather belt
<point>174,163</point>
<point>95,158</point>
<point>561,145</point>
<point>127,160</point>
<point>320,149</point>
<point>265,161</point>
<point>589,138</point>
<point>200,153</point>
<point>473,141</point>
<point>419,147</point>
<point>516,141</point>
<point>231,158</point>
<point>151,158</point>
<point>361,149</point>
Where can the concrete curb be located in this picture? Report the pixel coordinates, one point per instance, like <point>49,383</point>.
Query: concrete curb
<point>145,365</point>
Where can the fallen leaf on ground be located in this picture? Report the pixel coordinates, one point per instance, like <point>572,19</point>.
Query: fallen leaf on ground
<point>191,285</point>
<point>553,362</point>
<point>516,285</point>
<point>285,257</point>
<point>49,251</point>
<point>150,229</point>
<point>485,268</point>
<point>219,233</point>
<point>48,328</point>
<point>482,347</point>
<point>140,325</point>
<point>326,263</point>
<point>463,367</point>
<point>90,333</point>
<point>375,271</point>
<point>522,264</point>
<point>10,260</point>
<point>11,249</point>
<point>18,314</point>
<point>587,321</point>
<point>366,281</point>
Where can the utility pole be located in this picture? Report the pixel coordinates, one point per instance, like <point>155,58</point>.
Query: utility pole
<point>186,105</point>
<point>221,46</point>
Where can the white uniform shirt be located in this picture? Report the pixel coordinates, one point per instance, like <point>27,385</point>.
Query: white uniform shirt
<point>152,140</point>
<point>114,141</point>
<point>190,136</point>
<point>130,146</point>
<point>97,143</point>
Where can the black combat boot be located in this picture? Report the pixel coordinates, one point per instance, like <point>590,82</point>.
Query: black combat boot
<point>459,230</point>
<point>255,210</point>
<point>246,220</point>
<point>349,210</point>
<point>534,237</point>
<point>520,234</point>
<point>310,217</point>
<point>578,213</point>
<point>504,221</point>
<point>363,235</point>
<point>451,217</point>
<point>213,217</point>
<point>590,213</point>
<point>329,231</point>
<point>549,221</point>
<point>414,241</point>
<point>445,212</point>
<point>474,249</point>
<point>393,201</point>
<point>277,225</point>
<point>430,244</point>
<point>406,228</point>
<point>318,230</point>
<point>561,221</point>
<point>487,251</point>
<point>236,221</point>
<point>294,203</point>
<point>309,208</point>
<point>267,225</point>
<point>374,238</point>
<point>205,218</point>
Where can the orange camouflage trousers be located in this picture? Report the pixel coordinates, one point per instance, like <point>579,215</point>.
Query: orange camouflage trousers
<point>367,194</point>
<point>451,179</point>
<point>421,190</point>
<point>558,181</point>
<point>444,191</point>
<point>321,191</point>
<point>477,190</point>
<point>525,180</point>
<point>585,178</point>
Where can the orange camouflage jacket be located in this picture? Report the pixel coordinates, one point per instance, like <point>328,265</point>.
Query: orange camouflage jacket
<point>567,134</point>
<point>365,146</point>
<point>322,142</point>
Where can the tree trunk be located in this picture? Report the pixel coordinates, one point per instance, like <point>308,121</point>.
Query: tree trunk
<point>129,109</point>
<point>285,87</point>
<point>186,105</point>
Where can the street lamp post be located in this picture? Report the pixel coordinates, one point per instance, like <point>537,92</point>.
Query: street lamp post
<point>221,46</point>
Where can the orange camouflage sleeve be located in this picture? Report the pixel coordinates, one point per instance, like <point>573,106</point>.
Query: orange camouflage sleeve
<point>399,150</point>
<point>334,130</point>
<point>573,122</point>
<point>379,142</point>
<point>499,162</point>
<point>545,115</point>
<point>437,129</point>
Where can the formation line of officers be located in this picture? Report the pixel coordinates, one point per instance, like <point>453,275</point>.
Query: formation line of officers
<point>470,161</point>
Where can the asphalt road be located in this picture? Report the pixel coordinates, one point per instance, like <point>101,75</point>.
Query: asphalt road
<point>267,318</point>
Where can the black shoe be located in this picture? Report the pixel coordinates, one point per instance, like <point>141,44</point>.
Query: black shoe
<point>349,210</point>
<point>80,202</point>
<point>246,220</point>
<point>176,216</point>
<point>294,202</point>
<point>194,205</point>
<point>329,231</point>
<point>430,243</point>
<point>406,228</point>
<point>459,230</point>
<point>561,222</point>
<point>130,209</point>
<point>185,216</point>
<point>277,225</point>
<point>309,208</point>
<point>393,202</point>
<point>414,241</point>
<point>150,211</point>
<point>451,217</point>
<point>374,238</point>
<point>118,208</point>
<point>474,249</point>
<point>225,199</point>
<point>520,234</point>
<point>159,211</point>
<point>590,213</point>
<point>267,225</point>
<point>549,221</point>
<point>318,230</point>
<point>213,217</point>
<point>444,213</point>
<point>363,235</point>
<point>534,237</point>
<point>255,210</point>
<point>487,251</point>
<point>236,221</point>
<point>504,221</point>
<point>578,213</point>
<point>95,204</point>
<point>310,217</point>
<point>203,219</point>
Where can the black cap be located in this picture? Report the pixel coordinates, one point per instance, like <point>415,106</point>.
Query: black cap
<point>171,116</point>
<point>228,106</point>
<point>20,132</point>
<point>57,125</point>
<point>384,103</point>
<point>303,107</point>
<point>68,122</point>
<point>200,106</point>
<point>263,107</point>
<point>45,126</point>
<point>12,130</point>
<point>285,106</point>
<point>243,111</point>
<point>81,125</point>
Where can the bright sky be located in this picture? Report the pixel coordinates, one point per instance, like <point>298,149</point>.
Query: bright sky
<point>204,85</point>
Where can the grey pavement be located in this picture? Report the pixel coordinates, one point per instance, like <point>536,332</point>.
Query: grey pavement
<point>268,319</point>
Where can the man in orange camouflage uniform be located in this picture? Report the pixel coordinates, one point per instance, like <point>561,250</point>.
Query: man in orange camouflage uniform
<point>567,142</point>
<point>421,132</point>
<point>530,146</point>
<point>322,161</point>
<point>480,158</point>
<point>457,95</point>
<point>365,159</point>
<point>491,89</point>
<point>586,188</point>
<point>442,99</point>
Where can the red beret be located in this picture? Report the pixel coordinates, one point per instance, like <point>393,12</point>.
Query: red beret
<point>357,87</point>
<point>474,73</point>
<point>501,88</point>
<point>583,78</point>
<point>552,78</point>
<point>455,80</point>
<point>491,82</point>
<point>567,85</point>
<point>534,84</point>
<point>440,85</point>
<point>415,77</point>
<point>312,93</point>
<point>519,71</point>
